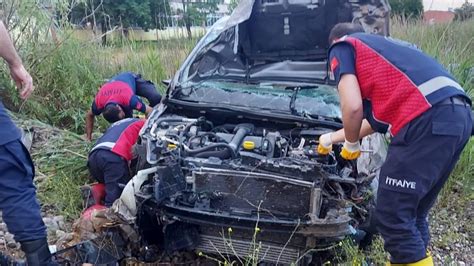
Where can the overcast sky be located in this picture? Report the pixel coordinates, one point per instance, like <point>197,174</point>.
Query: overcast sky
<point>443,4</point>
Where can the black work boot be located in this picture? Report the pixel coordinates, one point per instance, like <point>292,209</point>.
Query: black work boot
<point>37,252</point>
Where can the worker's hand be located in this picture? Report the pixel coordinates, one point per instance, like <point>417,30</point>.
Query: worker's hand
<point>350,150</point>
<point>325,144</point>
<point>23,80</point>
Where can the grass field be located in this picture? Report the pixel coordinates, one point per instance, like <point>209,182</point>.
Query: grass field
<point>67,76</point>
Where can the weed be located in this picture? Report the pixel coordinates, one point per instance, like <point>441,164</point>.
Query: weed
<point>68,73</point>
<point>60,158</point>
<point>229,256</point>
<point>350,253</point>
<point>376,253</point>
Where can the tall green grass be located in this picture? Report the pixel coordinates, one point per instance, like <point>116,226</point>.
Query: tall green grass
<point>67,75</point>
<point>453,45</point>
<point>60,158</point>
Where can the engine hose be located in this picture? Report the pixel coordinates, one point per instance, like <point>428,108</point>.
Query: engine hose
<point>193,123</point>
<point>184,132</point>
<point>241,130</point>
<point>186,129</point>
<point>168,119</point>
<point>212,134</point>
<point>194,152</point>
<point>221,154</point>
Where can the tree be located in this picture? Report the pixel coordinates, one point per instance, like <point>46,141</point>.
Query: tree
<point>122,13</point>
<point>465,12</point>
<point>196,13</point>
<point>160,13</point>
<point>407,8</point>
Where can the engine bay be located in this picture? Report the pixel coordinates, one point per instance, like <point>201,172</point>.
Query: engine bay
<point>216,176</point>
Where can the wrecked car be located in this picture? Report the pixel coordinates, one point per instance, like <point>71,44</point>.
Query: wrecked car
<point>231,152</point>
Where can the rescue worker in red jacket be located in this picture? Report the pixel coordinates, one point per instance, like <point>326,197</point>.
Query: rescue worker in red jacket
<point>109,159</point>
<point>117,99</point>
<point>400,90</point>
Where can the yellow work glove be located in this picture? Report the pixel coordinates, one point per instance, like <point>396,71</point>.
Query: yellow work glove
<point>350,150</point>
<point>325,144</point>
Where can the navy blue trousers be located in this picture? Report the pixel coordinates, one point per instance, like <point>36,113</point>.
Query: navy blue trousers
<point>21,210</point>
<point>110,169</point>
<point>147,89</point>
<point>419,161</point>
<point>142,87</point>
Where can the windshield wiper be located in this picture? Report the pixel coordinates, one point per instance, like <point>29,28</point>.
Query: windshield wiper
<point>297,89</point>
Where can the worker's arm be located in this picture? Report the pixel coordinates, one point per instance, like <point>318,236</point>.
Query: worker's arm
<point>352,114</point>
<point>22,78</point>
<point>343,70</point>
<point>90,117</point>
<point>327,140</point>
<point>339,136</point>
<point>351,106</point>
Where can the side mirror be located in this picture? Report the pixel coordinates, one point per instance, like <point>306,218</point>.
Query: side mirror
<point>166,82</point>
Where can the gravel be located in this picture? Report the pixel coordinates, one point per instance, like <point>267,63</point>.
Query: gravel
<point>451,232</point>
<point>55,225</point>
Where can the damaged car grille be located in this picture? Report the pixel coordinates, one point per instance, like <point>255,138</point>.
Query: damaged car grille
<point>209,179</point>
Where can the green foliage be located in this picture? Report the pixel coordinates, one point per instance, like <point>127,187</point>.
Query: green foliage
<point>60,158</point>
<point>350,254</point>
<point>67,80</point>
<point>197,12</point>
<point>450,44</point>
<point>124,13</point>
<point>68,72</point>
<point>465,12</point>
<point>406,8</point>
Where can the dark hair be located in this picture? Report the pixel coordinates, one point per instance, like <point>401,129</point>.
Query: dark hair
<point>342,29</point>
<point>111,112</point>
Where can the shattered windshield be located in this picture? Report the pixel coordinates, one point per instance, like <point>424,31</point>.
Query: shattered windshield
<point>313,100</point>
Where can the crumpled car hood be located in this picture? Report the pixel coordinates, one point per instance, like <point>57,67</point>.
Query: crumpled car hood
<point>276,41</point>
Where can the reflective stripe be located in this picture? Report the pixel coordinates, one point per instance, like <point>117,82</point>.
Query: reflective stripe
<point>104,145</point>
<point>437,83</point>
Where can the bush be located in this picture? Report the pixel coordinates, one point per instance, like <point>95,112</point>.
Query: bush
<point>411,9</point>
<point>68,75</point>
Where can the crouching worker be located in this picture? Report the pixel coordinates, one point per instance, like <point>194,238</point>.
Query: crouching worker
<point>109,158</point>
<point>117,99</point>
